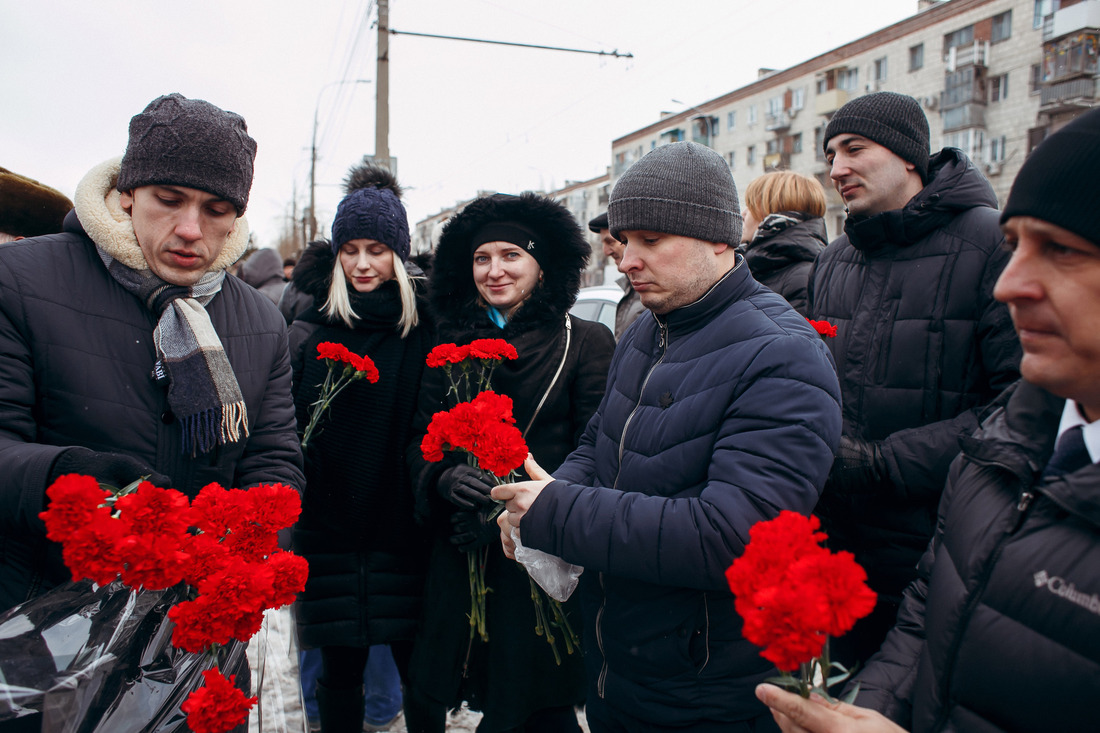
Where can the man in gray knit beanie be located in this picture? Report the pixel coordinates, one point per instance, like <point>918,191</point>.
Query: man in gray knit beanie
<point>921,343</point>
<point>722,409</point>
<point>684,192</point>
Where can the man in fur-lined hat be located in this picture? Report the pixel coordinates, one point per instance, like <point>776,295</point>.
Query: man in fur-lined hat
<point>125,351</point>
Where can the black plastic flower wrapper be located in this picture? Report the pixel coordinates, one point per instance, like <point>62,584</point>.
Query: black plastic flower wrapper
<point>96,659</point>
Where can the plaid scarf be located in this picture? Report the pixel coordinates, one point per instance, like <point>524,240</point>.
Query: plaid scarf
<point>202,390</point>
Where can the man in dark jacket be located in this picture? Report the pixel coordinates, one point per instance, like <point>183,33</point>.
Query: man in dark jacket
<point>921,345</point>
<point>1001,632</point>
<point>630,307</point>
<point>721,410</point>
<point>124,349</point>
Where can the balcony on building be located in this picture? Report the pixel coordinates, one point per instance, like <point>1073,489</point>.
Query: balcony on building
<point>833,87</point>
<point>777,161</point>
<point>975,53</point>
<point>963,116</point>
<point>1077,17</point>
<point>777,121</point>
<point>1071,94</point>
<point>703,129</point>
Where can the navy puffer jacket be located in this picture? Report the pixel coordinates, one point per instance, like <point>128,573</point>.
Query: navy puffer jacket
<point>716,416</point>
<point>1001,631</point>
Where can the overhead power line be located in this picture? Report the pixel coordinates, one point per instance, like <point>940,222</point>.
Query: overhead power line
<point>616,53</point>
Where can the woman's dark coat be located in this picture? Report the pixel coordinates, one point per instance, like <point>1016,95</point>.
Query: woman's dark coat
<point>921,348</point>
<point>366,557</point>
<point>514,674</point>
<point>782,260</point>
<point>1001,631</point>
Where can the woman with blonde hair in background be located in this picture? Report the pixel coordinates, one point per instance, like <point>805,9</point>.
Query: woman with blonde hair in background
<point>784,232</point>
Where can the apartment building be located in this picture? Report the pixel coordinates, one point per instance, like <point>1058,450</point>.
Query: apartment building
<point>993,76</point>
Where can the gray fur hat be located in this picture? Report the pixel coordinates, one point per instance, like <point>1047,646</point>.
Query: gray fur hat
<point>683,188</point>
<point>178,141</point>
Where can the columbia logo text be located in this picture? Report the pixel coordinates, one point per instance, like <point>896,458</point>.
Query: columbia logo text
<point>1059,587</point>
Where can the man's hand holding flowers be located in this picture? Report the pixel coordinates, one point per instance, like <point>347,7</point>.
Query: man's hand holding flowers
<point>796,714</point>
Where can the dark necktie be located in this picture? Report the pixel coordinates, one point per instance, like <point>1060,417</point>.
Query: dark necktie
<point>1070,454</point>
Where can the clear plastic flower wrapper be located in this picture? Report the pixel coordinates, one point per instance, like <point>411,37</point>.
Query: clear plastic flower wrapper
<point>555,576</point>
<point>84,658</point>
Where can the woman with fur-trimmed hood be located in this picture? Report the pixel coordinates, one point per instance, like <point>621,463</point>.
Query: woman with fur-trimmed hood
<point>506,267</point>
<point>366,558</point>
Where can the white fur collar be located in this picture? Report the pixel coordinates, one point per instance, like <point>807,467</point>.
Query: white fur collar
<point>107,223</point>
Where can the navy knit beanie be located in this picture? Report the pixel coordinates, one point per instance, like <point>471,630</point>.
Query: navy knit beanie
<point>894,121</point>
<point>372,209</point>
<point>1057,182</point>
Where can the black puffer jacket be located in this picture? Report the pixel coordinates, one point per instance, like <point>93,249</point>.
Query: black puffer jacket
<point>1001,632</point>
<point>76,357</point>
<point>782,253</point>
<point>366,558</point>
<point>921,346</point>
<point>514,674</point>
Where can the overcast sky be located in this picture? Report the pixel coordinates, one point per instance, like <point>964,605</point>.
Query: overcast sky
<point>463,117</point>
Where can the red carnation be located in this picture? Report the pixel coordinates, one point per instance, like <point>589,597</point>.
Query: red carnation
<point>72,499</point>
<point>218,705</point>
<point>290,572</point>
<point>497,349</point>
<point>446,354</point>
<point>152,510</point>
<point>824,328</point>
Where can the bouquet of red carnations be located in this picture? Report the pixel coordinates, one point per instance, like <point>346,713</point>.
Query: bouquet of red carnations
<point>484,428</point>
<point>344,367</point>
<point>793,594</point>
<point>222,545</point>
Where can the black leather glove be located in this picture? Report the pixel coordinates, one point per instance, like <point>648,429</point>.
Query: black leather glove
<point>859,466</point>
<point>465,487</point>
<point>474,529</point>
<point>113,469</point>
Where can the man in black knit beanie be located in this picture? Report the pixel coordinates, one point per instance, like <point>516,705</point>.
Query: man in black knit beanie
<point>921,344</point>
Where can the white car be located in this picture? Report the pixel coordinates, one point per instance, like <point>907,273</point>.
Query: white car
<point>598,303</point>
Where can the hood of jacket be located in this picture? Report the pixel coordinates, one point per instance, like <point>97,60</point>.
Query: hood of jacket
<point>799,242</point>
<point>104,220</point>
<point>264,266</point>
<point>453,295</point>
<point>954,185</point>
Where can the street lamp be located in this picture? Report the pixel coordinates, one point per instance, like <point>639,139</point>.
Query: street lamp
<point>313,154</point>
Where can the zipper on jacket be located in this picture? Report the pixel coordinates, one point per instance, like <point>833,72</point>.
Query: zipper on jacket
<point>601,681</point>
<point>1022,505</point>
<point>622,440</point>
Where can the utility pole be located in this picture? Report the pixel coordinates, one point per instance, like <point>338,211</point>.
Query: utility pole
<point>382,88</point>
<point>313,155</point>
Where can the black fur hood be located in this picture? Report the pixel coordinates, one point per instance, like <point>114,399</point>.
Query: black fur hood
<point>313,273</point>
<point>454,298</point>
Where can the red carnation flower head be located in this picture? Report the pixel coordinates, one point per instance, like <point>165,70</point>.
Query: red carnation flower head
<point>274,506</point>
<point>155,511</point>
<point>495,349</point>
<point>218,705</point>
<point>73,498</point>
<point>152,562</point>
<point>824,328</point>
<point>289,578</point>
<point>445,355</point>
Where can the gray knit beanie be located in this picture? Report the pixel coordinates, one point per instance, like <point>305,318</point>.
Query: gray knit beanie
<point>178,141</point>
<point>894,121</point>
<point>1057,182</point>
<point>682,188</point>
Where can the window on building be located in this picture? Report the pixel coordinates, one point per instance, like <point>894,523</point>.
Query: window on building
<point>819,143</point>
<point>675,135</point>
<point>961,37</point>
<point>969,141</point>
<point>1036,135</point>
<point>796,142</point>
<point>750,155</point>
<point>1002,27</point>
<point>731,121</point>
<point>1042,10</point>
<point>798,98</point>
<point>775,106</point>
<point>848,80</point>
<point>880,71</point>
<point>998,88</point>
<point>772,147</point>
<point>821,85</point>
<point>963,87</point>
<point>997,149</point>
<point>916,57</point>
<point>1036,80</point>
<point>752,114</point>
<point>732,160</point>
